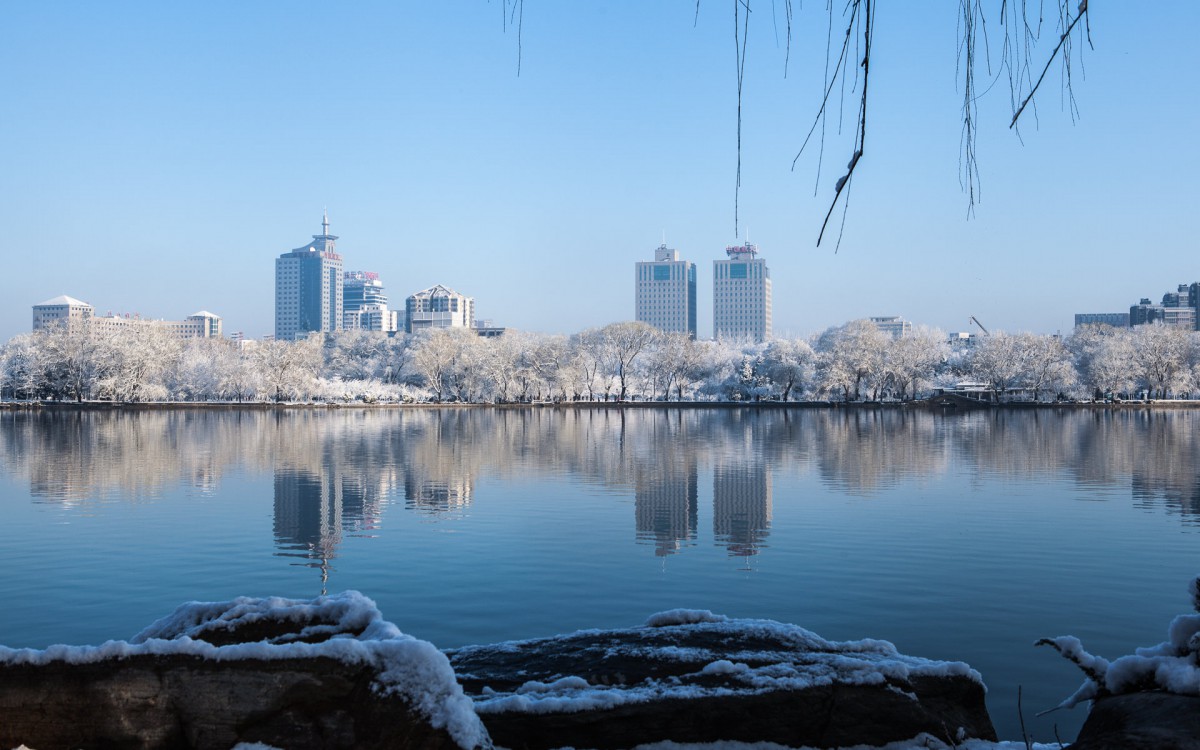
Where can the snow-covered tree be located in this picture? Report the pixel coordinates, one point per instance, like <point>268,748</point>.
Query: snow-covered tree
<point>788,364</point>
<point>288,369</point>
<point>913,360</point>
<point>1163,357</point>
<point>1104,358</point>
<point>136,362</point>
<point>1045,363</point>
<point>850,357</point>
<point>622,344</point>
<point>20,368</point>
<point>70,361</point>
<point>356,355</point>
<point>995,360</point>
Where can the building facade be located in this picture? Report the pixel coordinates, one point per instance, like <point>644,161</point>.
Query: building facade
<point>742,295</point>
<point>1116,320</point>
<point>62,311</point>
<point>893,325</point>
<point>665,292</point>
<point>438,307</point>
<point>365,303</point>
<point>71,313</point>
<point>308,288</point>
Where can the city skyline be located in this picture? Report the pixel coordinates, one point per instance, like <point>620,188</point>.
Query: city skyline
<point>160,148</point>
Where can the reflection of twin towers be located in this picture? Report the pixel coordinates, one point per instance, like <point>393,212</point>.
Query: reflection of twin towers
<point>315,508</point>
<point>667,502</point>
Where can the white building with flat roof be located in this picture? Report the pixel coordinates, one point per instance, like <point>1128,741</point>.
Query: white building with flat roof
<point>742,295</point>
<point>665,292</point>
<point>893,325</point>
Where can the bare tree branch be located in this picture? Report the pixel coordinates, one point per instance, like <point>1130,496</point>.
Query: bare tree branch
<point>1083,11</point>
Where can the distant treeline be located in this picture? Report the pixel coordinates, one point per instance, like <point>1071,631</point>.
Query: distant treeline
<point>619,362</point>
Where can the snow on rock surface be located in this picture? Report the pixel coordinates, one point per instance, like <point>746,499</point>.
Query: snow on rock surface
<point>1172,666</point>
<point>275,636</point>
<point>692,675</point>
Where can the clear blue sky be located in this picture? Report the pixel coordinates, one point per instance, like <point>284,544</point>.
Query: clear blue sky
<point>157,157</point>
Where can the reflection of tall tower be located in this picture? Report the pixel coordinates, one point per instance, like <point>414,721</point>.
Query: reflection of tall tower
<point>665,507</point>
<point>742,507</point>
<point>308,513</point>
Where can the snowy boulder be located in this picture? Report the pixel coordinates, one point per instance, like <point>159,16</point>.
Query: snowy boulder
<point>326,673</point>
<point>696,677</point>
<point>1147,699</point>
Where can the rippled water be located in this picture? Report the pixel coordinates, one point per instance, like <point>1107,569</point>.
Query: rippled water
<point>963,536</point>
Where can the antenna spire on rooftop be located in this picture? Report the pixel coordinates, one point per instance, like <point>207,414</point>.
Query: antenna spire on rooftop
<point>325,221</point>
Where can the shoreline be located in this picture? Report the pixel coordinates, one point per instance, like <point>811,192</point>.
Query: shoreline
<point>955,405</point>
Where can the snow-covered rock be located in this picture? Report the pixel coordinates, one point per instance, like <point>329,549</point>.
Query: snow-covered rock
<point>326,673</point>
<point>695,677</point>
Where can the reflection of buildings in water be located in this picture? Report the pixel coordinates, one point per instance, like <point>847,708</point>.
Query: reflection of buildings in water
<point>314,508</point>
<point>665,505</point>
<point>742,507</point>
<point>437,497</point>
<point>1179,494</point>
<point>308,513</point>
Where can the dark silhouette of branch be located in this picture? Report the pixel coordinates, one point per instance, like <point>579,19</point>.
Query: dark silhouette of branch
<point>860,139</point>
<point>739,44</point>
<point>1083,11</point>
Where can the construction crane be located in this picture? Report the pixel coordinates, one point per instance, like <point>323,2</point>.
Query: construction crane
<point>976,322</point>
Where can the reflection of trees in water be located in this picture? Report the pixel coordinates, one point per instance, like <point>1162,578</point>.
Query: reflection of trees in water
<point>337,470</point>
<point>861,451</point>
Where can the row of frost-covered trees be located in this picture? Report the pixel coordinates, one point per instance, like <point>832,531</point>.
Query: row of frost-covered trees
<point>621,361</point>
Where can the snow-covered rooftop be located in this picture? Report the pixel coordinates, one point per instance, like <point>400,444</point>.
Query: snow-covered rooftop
<point>62,299</point>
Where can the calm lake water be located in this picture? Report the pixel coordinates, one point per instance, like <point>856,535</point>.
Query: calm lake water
<point>962,536</point>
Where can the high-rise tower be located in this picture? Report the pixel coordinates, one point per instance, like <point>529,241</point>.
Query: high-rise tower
<point>308,288</point>
<point>742,295</point>
<point>665,296</point>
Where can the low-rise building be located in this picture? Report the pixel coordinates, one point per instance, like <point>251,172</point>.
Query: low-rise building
<point>893,325</point>
<point>438,307</point>
<point>70,312</point>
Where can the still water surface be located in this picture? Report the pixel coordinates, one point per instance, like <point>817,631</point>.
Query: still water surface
<point>964,536</point>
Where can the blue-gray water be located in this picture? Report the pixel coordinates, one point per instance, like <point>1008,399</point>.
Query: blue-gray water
<point>964,537</point>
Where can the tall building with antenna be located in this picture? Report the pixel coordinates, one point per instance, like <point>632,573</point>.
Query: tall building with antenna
<point>308,288</point>
<point>742,295</point>
<point>665,295</point>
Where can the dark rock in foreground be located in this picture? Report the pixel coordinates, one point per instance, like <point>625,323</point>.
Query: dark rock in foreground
<point>1142,721</point>
<point>696,677</point>
<point>330,673</point>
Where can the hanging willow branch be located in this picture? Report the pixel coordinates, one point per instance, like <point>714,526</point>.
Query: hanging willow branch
<point>1064,39</point>
<point>859,16</point>
<point>741,29</point>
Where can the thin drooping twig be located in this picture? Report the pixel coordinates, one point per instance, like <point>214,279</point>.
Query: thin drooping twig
<point>1083,10</point>
<point>739,43</point>
<point>1021,716</point>
<point>506,17</point>
<point>861,137</point>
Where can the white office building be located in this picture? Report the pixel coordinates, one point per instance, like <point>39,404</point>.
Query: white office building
<point>665,295</point>
<point>68,312</point>
<point>742,295</point>
<point>893,325</point>
<point>63,311</point>
<point>438,307</point>
<point>365,303</point>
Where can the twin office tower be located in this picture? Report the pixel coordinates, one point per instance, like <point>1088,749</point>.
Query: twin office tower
<point>666,294</point>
